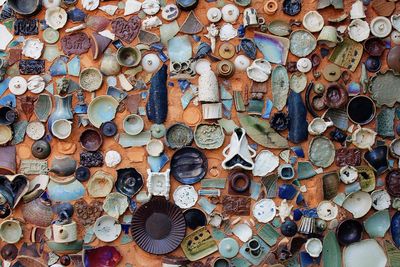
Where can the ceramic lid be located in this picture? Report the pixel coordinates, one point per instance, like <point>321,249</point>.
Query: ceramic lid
<point>380,199</point>
<point>358,203</point>
<point>56,17</point>
<point>230,13</point>
<point>228,247</point>
<point>304,65</point>
<point>381,27</point>
<point>214,14</point>
<point>18,85</point>
<point>331,72</point>
<point>227,50</point>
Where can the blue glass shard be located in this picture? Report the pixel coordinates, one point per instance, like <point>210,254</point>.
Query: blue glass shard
<point>183,85</point>
<point>59,66</point>
<point>119,95</point>
<point>254,146</point>
<point>143,95</point>
<point>227,108</point>
<point>171,84</point>
<point>268,109</point>
<point>112,81</point>
<point>76,15</point>
<point>8,100</point>
<point>157,47</point>
<point>74,66</point>
<point>241,31</point>
<point>297,214</point>
<point>298,150</point>
<point>4,86</point>
<point>50,88</point>
<point>311,213</point>
<point>195,37</point>
<point>287,191</point>
<point>81,109</point>
<point>162,56</point>
<point>157,163</point>
<point>293,160</point>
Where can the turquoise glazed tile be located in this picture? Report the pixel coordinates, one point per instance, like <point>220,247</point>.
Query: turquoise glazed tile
<point>74,66</point>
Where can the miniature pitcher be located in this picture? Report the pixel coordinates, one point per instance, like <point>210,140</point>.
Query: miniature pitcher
<point>61,111</point>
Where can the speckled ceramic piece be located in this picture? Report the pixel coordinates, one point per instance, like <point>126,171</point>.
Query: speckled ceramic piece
<point>302,43</point>
<point>90,79</point>
<point>321,152</point>
<point>383,88</point>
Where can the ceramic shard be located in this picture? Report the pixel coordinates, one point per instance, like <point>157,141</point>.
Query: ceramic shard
<point>275,49</point>
<point>157,105</point>
<point>74,66</point>
<point>192,24</point>
<point>280,87</point>
<point>261,132</point>
<point>148,38</point>
<point>298,125</point>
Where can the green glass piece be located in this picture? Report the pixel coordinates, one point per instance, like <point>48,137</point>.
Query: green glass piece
<point>268,234</point>
<point>255,107</point>
<point>377,224</point>
<point>239,103</point>
<point>213,183</point>
<point>19,132</point>
<point>331,253</point>
<point>261,132</point>
<point>217,234</point>
<point>393,254</point>
<point>228,125</point>
<point>296,182</point>
<point>385,122</point>
<point>305,170</point>
<point>276,222</point>
<point>240,262</point>
<point>220,3</point>
<point>9,23</point>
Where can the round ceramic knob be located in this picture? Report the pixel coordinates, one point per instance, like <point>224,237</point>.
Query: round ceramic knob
<point>50,35</point>
<point>227,50</point>
<point>270,7</point>
<point>18,85</point>
<point>214,14</point>
<point>381,27</point>
<point>151,63</point>
<point>304,65</point>
<point>241,62</point>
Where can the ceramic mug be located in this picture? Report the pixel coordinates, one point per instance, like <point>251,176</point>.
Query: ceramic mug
<point>329,36</point>
<point>65,233</point>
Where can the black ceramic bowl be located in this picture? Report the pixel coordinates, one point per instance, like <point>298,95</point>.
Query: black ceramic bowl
<point>378,159</point>
<point>361,109</point>
<point>349,231</point>
<point>195,218</point>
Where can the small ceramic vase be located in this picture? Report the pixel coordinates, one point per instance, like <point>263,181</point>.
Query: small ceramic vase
<point>62,110</point>
<point>240,153</point>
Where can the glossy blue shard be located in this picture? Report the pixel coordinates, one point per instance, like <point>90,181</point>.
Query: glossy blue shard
<point>306,260</point>
<point>310,213</point>
<point>157,163</point>
<point>298,125</point>
<point>254,146</point>
<point>162,56</point>
<point>157,105</point>
<point>4,86</point>
<point>268,108</point>
<point>118,94</point>
<point>300,199</point>
<point>8,100</point>
<point>297,214</point>
<point>157,47</point>
<point>227,108</point>
<point>241,31</point>
<point>395,228</point>
<point>183,84</point>
<point>59,66</point>
<point>76,15</point>
<point>143,95</point>
<point>298,150</point>
<point>287,191</point>
<point>196,38</point>
<point>171,84</point>
<point>203,50</point>
<point>74,66</point>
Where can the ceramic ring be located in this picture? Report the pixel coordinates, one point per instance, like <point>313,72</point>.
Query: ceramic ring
<point>236,179</point>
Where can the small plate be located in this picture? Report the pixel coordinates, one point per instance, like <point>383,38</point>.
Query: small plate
<point>107,228</point>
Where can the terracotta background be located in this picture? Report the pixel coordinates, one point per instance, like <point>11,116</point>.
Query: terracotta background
<point>136,157</point>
